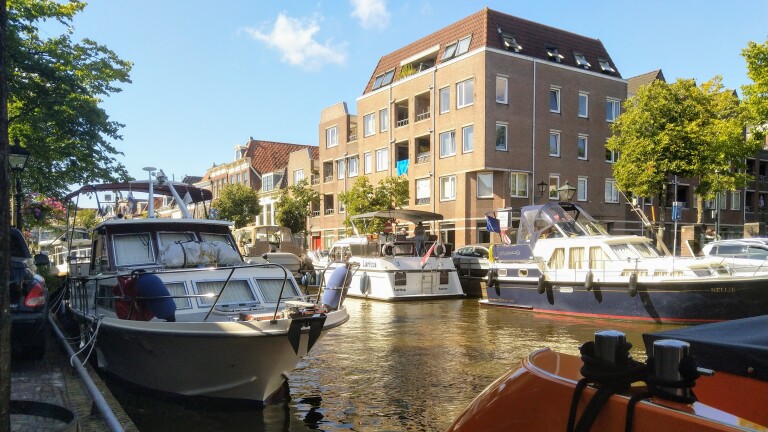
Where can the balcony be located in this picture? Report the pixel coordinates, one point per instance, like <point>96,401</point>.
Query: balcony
<point>328,178</point>
<point>315,213</point>
<point>401,123</point>
<point>329,211</point>
<point>421,201</point>
<point>423,158</point>
<point>315,179</point>
<point>423,116</point>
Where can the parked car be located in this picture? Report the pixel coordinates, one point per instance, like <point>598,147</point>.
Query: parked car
<point>471,260</point>
<point>28,299</point>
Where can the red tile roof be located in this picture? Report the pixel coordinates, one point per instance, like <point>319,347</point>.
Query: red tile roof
<point>484,27</point>
<point>269,156</point>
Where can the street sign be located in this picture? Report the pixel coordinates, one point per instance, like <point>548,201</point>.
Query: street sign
<point>677,211</point>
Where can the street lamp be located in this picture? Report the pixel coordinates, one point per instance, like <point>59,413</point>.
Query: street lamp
<point>542,188</point>
<point>566,191</point>
<point>17,160</point>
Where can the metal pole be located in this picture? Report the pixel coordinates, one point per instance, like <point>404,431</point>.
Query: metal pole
<point>717,217</point>
<point>17,202</point>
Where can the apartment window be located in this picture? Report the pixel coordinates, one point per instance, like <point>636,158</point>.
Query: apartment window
<point>554,100</point>
<point>447,143</point>
<point>382,159</point>
<point>485,185</point>
<point>722,198</point>
<point>502,89</point>
<point>554,143</point>
<point>605,66</point>
<point>369,125</point>
<point>581,145</point>
<point>331,137</point>
<point>342,207</point>
<point>581,189</point>
<point>554,184</point>
<point>340,169</point>
<point>423,191</point>
<point>447,188</point>
<point>445,100</point>
<point>384,119</point>
<point>583,105</point>
<point>501,137</point>
<point>463,46</point>
<point>554,55</point>
<point>298,176</point>
<point>581,61</point>
<point>611,191</point>
<point>735,200</point>
<point>519,184</point>
<point>352,166</point>
<point>456,48</point>
<point>467,139</point>
<point>367,163</point>
<point>509,43</point>
<point>611,156</point>
<point>267,182</point>
<point>383,79</point>
<point>612,109</point>
<point>465,93</point>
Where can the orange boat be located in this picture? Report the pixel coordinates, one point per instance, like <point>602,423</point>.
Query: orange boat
<point>606,390</point>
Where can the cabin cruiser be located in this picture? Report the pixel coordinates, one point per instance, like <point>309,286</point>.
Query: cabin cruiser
<point>170,305</point>
<point>63,246</point>
<point>710,377</point>
<point>564,262</point>
<point>393,266</point>
<point>273,244</point>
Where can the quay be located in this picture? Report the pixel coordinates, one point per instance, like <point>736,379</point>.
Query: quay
<point>52,380</point>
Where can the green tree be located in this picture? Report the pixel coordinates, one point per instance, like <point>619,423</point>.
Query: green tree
<point>55,87</point>
<point>391,192</point>
<point>86,218</point>
<point>293,208</point>
<point>238,203</point>
<point>755,104</point>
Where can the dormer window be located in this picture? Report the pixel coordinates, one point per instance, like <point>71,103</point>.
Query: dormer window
<point>581,61</point>
<point>605,66</point>
<point>456,49</point>
<point>383,79</point>
<point>508,42</point>
<point>554,55</point>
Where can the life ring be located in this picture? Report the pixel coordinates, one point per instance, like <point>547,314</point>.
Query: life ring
<point>589,281</point>
<point>439,250</point>
<point>387,249</point>
<point>632,286</point>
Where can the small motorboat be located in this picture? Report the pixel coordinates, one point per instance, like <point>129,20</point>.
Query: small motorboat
<point>274,244</point>
<point>711,377</point>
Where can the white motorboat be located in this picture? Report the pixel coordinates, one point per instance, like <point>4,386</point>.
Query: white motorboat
<point>64,247</point>
<point>171,306</point>
<point>273,244</point>
<point>394,266</point>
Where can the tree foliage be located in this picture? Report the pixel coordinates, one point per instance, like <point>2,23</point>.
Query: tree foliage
<point>756,94</point>
<point>683,130</point>
<point>391,192</point>
<point>293,209</point>
<point>55,87</point>
<point>238,203</point>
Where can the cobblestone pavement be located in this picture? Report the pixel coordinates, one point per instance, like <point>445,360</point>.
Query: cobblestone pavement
<point>51,379</point>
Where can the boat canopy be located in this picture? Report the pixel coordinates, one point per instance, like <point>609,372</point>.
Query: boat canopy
<point>414,216</point>
<point>195,193</point>
<point>555,220</point>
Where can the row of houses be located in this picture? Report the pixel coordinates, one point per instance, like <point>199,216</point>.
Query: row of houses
<point>490,112</point>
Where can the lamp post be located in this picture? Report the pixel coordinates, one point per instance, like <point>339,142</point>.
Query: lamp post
<point>543,186</point>
<point>566,192</point>
<point>17,161</point>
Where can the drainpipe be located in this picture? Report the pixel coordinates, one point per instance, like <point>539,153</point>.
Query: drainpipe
<point>533,141</point>
<point>433,158</point>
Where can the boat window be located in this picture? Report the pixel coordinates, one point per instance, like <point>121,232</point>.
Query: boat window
<point>237,291</point>
<point>597,258</point>
<point>133,249</point>
<point>166,238</point>
<point>757,253</point>
<point>646,251</point>
<point>623,251</point>
<point>403,249</point>
<point>576,258</point>
<point>211,237</point>
<point>178,291</point>
<point>557,260</point>
<point>270,289</point>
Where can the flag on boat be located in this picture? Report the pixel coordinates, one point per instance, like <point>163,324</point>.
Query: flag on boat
<point>425,258</point>
<point>492,225</point>
<point>187,198</point>
<point>132,203</point>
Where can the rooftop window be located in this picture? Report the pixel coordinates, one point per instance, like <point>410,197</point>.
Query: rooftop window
<point>508,42</point>
<point>383,79</point>
<point>554,55</point>
<point>605,66</point>
<point>457,48</point>
<point>581,61</point>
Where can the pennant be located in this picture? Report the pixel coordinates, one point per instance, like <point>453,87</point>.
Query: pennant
<point>425,258</point>
<point>505,238</point>
<point>492,224</point>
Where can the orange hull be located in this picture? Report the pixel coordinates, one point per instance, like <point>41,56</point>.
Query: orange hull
<point>537,397</point>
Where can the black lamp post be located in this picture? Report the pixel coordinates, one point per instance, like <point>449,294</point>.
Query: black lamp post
<point>542,188</point>
<point>566,191</point>
<point>17,160</point>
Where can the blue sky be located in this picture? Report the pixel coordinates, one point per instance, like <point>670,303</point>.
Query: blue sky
<point>208,75</point>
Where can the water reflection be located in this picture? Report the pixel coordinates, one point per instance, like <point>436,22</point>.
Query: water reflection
<point>393,367</point>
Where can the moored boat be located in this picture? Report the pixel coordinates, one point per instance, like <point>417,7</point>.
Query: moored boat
<point>170,305</point>
<point>274,244</point>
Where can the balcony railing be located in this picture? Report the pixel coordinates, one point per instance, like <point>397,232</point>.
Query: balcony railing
<point>420,201</point>
<point>401,123</point>
<point>328,178</point>
<point>315,213</point>
<point>423,158</point>
<point>422,116</point>
<point>315,180</point>
<point>352,137</point>
<point>329,211</point>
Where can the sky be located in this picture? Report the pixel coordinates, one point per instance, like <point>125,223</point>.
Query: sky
<point>208,75</point>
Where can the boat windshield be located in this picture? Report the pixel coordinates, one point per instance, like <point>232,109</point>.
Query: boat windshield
<point>647,251</point>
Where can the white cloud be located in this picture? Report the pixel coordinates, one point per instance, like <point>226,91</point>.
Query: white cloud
<point>294,39</point>
<point>371,13</point>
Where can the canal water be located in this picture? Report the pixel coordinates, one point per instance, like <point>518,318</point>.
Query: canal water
<point>407,366</point>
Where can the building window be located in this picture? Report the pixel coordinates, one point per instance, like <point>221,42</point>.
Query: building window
<point>445,100</point>
<point>352,166</point>
<point>581,61</point>
<point>605,66</point>
<point>519,184</point>
<point>611,156</point>
<point>735,200</point>
<point>369,124</point>
<point>456,49</point>
<point>384,119</point>
<point>611,191</point>
<point>501,137</point>
<point>467,139</point>
<point>554,143</point>
<point>447,188</point>
<point>331,137</point>
<point>581,144</point>
<point>342,207</point>
<point>383,79</point>
<point>612,109</point>
<point>465,93</point>
<point>298,176</point>
<point>447,144</point>
<point>502,89</point>
<point>367,163</point>
<point>340,169</point>
<point>583,105</point>
<point>554,100</point>
<point>509,43</point>
<point>267,183</point>
<point>382,159</point>
<point>581,189</point>
<point>485,185</point>
<point>554,55</point>
<point>423,191</point>
<point>554,184</point>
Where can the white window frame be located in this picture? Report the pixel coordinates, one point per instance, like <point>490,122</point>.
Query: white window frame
<point>331,137</point>
<point>735,200</point>
<point>502,132</point>
<point>353,166</point>
<point>554,185</point>
<point>611,156</point>
<point>298,175</point>
<point>554,134</point>
<point>448,188</point>
<point>369,124</point>
<point>341,169</point>
<point>465,93</point>
<point>612,109</point>
<point>579,139</point>
<point>585,112</point>
<point>367,163</point>
<point>611,192</point>
<point>502,89</point>
<point>468,144</point>
<point>518,182</point>
<point>445,100</point>
<point>483,192</point>
<point>448,147</point>
<point>581,188</point>
<point>556,92</point>
<point>382,159</point>
<point>267,185</point>
<point>384,119</point>
<point>423,191</point>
